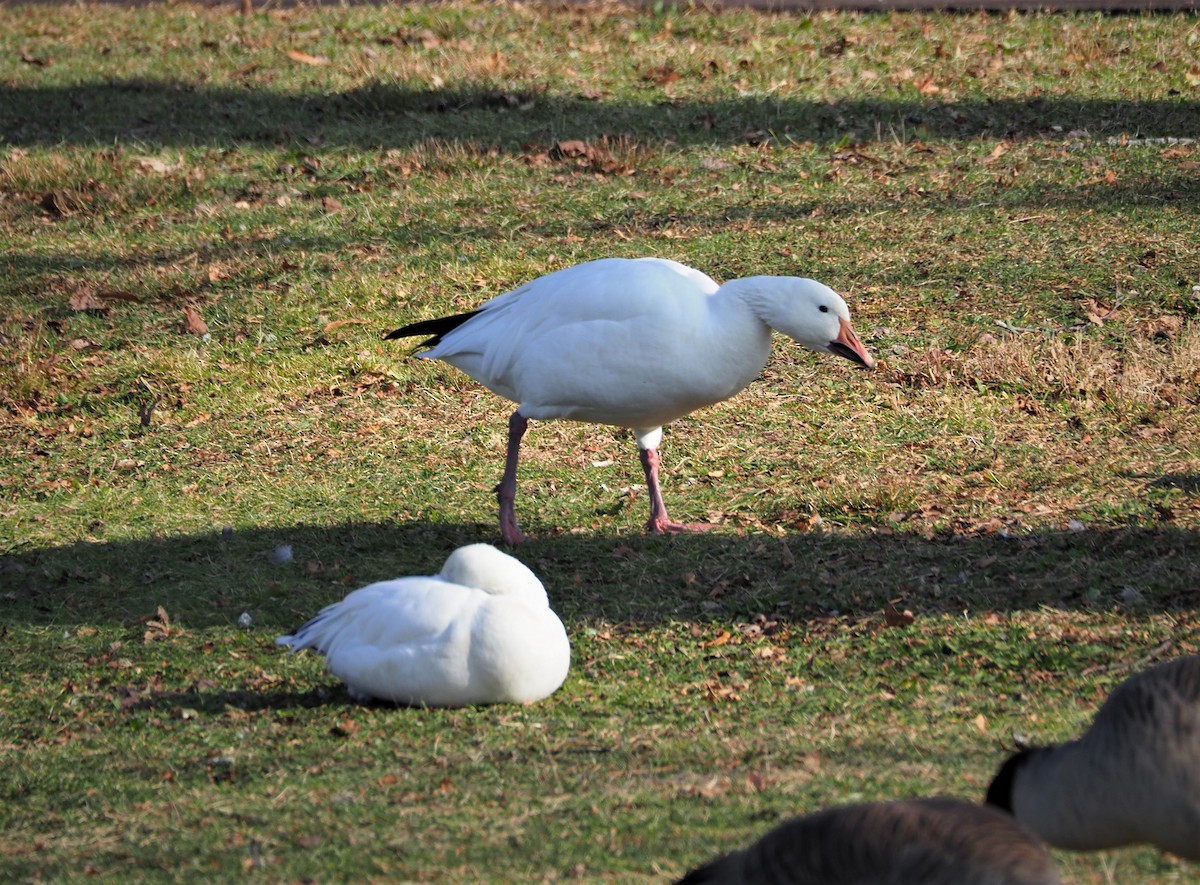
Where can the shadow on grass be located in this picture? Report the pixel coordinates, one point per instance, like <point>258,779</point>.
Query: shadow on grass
<point>1187,482</point>
<point>1165,186</point>
<point>211,701</point>
<point>162,113</point>
<point>211,580</point>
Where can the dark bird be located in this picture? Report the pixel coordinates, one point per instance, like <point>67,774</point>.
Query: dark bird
<point>1134,775</point>
<point>935,841</point>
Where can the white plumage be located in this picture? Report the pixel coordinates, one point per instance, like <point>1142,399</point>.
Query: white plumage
<point>630,342</point>
<point>479,632</point>
<point>1134,775</point>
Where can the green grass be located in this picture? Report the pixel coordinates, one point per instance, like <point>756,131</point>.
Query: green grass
<point>1031,496</point>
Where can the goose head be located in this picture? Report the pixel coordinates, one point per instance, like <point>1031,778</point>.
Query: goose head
<point>808,312</point>
<point>485,568</point>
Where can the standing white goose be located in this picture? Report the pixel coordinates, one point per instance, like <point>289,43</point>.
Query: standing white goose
<point>630,342</point>
<point>479,632</point>
<point>908,842</point>
<point>1134,775</point>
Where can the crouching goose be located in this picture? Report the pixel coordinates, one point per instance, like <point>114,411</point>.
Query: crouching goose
<point>630,342</point>
<point>935,841</point>
<point>481,631</point>
<point>1134,775</point>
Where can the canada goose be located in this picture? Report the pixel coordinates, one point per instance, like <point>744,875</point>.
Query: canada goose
<point>936,841</point>
<point>479,632</point>
<point>1134,775</point>
<point>630,342</point>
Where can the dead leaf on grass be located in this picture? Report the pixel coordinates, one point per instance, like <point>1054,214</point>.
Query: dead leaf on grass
<point>337,324</point>
<point>893,617</point>
<point>662,76</point>
<point>717,691</point>
<point>154,164</point>
<point>85,298</point>
<point>159,627</point>
<point>1096,312</point>
<point>926,86</point>
<point>998,151</point>
<point>305,59</point>
<point>720,639</point>
<point>193,323</point>
<point>755,782</point>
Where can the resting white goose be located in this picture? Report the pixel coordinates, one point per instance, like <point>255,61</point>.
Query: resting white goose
<point>479,632</point>
<point>630,342</point>
<point>908,842</point>
<point>1134,775</point>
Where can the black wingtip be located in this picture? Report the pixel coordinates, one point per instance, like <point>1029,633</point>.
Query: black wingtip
<point>436,327</point>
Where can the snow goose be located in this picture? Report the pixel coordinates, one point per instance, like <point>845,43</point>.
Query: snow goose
<point>908,842</point>
<point>479,632</point>
<point>1134,775</point>
<point>630,342</point>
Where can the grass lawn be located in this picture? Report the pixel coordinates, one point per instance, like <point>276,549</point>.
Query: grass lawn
<point>208,220</point>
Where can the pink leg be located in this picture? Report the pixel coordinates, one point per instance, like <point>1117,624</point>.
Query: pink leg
<point>506,492</point>
<point>660,523</point>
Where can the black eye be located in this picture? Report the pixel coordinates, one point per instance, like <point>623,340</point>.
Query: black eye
<point>824,308</point>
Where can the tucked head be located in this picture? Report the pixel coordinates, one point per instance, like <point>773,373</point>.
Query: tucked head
<point>485,568</point>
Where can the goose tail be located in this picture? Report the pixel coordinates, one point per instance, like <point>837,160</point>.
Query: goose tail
<point>436,328</point>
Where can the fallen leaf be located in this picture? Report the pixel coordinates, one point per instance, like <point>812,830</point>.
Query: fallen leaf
<point>153,164</point>
<point>193,323</point>
<point>893,617</point>
<point>998,151</point>
<point>305,59</point>
<point>981,723</point>
<point>756,781</point>
<point>572,147</point>
<point>337,324</point>
<point>663,76</point>
<point>85,298</point>
<point>789,558</point>
<point>1096,312</point>
<point>57,204</point>
<point>721,638</point>
<point>158,627</point>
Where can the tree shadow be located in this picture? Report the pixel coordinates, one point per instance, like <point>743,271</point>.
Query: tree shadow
<point>1165,186</point>
<point>1188,483</point>
<point>212,580</point>
<point>160,114</point>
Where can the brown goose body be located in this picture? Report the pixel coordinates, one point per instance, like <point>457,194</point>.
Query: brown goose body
<point>936,841</point>
<point>1133,777</point>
